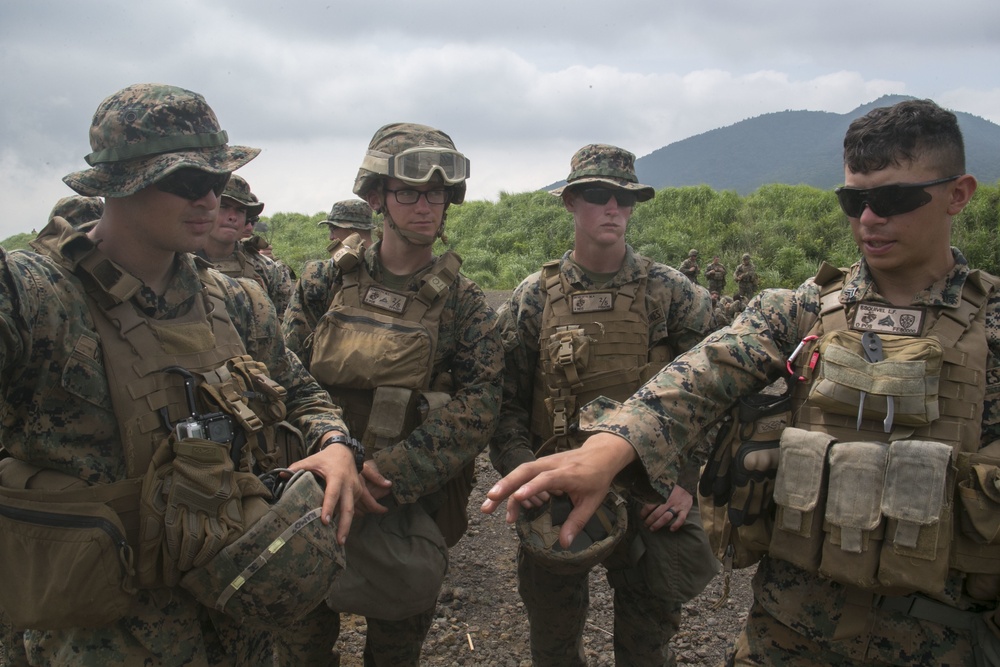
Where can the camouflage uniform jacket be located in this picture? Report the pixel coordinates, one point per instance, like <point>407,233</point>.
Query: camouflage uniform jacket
<point>689,267</point>
<point>247,262</point>
<point>468,348</point>
<point>687,318</point>
<point>55,403</point>
<point>667,415</point>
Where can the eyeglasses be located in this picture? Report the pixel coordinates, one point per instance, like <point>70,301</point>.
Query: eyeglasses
<point>413,196</point>
<point>192,184</point>
<point>602,196</point>
<point>418,165</point>
<point>887,200</point>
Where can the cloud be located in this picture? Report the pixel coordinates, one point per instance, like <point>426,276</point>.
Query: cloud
<point>518,85</point>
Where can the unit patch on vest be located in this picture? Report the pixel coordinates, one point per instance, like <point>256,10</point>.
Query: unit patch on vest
<point>888,319</point>
<point>384,299</point>
<point>593,302</point>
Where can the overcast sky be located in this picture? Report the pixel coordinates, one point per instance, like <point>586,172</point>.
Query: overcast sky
<point>518,85</point>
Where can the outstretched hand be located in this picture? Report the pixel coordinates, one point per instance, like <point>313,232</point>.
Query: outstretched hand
<point>584,474</point>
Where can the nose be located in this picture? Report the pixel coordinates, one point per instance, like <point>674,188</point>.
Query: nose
<point>870,217</point>
<point>422,202</point>
<point>209,200</point>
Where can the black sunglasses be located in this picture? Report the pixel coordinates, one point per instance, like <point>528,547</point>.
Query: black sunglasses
<point>192,184</point>
<point>887,200</point>
<point>602,196</point>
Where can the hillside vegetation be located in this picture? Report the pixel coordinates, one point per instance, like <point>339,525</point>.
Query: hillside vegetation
<point>787,229</point>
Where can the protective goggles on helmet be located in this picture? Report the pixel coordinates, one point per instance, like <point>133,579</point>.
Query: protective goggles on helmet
<point>887,200</point>
<point>418,165</point>
<point>192,184</point>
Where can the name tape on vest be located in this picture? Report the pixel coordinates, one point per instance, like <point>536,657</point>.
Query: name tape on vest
<point>888,319</point>
<point>593,302</point>
<point>386,300</point>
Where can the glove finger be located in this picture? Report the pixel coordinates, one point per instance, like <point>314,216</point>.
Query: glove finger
<point>215,534</point>
<point>193,536</point>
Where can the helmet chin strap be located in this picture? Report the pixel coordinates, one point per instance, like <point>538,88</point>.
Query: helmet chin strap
<point>411,237</point>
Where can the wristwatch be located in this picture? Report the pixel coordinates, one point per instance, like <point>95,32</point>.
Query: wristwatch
<point>352,444</point>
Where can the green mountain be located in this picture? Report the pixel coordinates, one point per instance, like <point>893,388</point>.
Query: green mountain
<point>791,147</point>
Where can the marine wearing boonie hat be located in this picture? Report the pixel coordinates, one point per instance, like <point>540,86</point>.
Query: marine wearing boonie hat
<point>603,164</point>
<point>147,131</point>
<point>238,190</point>
<point>350,214</point>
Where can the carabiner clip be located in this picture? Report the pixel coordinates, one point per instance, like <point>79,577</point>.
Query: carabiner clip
<point>795,353</point>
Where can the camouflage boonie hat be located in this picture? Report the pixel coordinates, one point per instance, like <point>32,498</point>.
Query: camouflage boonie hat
<point>147,131</point>
<point>538,528</point>
<point>78,210</point>
<point>238,190</point>
<point>350,214</point>
<point>605,165</point>
<point>280,568</point>
<point>397,137</point>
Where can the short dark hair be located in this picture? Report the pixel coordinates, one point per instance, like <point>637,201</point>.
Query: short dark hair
<point>902,134</point>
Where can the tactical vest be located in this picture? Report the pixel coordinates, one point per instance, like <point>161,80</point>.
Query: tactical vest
<point>238,266</point>
<point>591,343</point>
<point>375,345</point>
<point>148,401</point>
<point>889,512</point>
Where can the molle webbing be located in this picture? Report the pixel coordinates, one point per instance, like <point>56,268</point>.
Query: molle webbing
<point>586,351</point>
<point>960,331</point>
<point>423,306</point>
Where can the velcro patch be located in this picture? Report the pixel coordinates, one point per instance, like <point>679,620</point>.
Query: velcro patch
<point>888,319</point>
<point>384,299</point>
<point>593,302</point>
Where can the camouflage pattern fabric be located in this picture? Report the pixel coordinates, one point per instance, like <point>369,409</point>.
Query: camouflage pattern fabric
<point>557,604</point>
<point>351,214</point>
<point>78,210</point>
<point>686,319</point>
<point>746,278</point>
<point>689,267</point>
<point>238,190</point>
<point>715,274</point>
<point>273,276</point>
<point>58,414</point>
<point>145,132</point>
<point>395,138</point>
<point>603,164</point>
<point>469,349</point>
<point>665,417</point>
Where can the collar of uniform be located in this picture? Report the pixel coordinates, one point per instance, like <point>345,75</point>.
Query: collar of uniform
<point>944,293</point>
<point>630,271</point>
<point>184,284</point>
<point>374,265</point>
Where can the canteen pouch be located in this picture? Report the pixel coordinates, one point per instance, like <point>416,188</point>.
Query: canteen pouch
<point>797,536</point>
<point>853,521</point>
<point>910,373</point>
<point>64,551</point>
<point>918,506</point>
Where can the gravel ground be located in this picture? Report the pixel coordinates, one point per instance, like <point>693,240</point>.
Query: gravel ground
<point>481,620</point>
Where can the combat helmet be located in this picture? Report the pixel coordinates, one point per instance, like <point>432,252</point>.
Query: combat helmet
<point>147,131</point>
<point>280,568</point>
<point>692,252</point>
<point>538,529</point>
<point>414,154</point>
<point>351,214</point>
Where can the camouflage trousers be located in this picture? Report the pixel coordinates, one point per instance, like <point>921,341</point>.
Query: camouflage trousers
<point>310,641</point>
<point>13,643</point>
<point>798,618</point>
<point>647,609</point>
<point>166,627</point>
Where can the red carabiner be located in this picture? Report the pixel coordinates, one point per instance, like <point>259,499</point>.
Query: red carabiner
<point>795,353</point>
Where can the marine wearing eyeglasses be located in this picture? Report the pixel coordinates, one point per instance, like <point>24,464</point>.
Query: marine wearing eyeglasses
<point>598,322</point>
<point>406,344</point>
<point>882,569</point>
